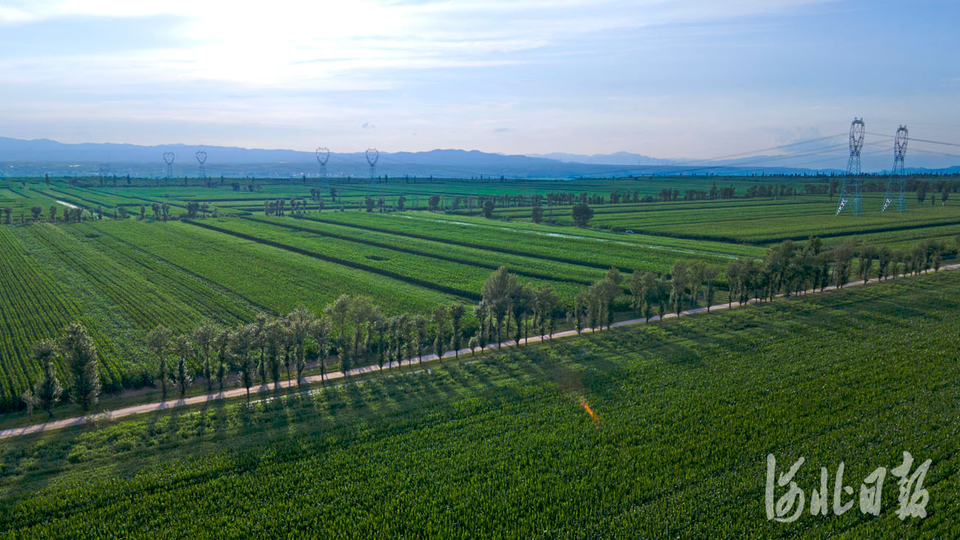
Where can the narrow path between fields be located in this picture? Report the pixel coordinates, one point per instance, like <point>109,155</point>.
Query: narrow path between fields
<point>266,388</point>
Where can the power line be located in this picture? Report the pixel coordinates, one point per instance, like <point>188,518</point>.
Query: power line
<point>839,157</point>
<point>766,159</point>
<point>729,156</point>
<point>779,147</point>
<point>682,167</point>
<point>761,159</point>
<point>934,142</point>
<point>914,139</point>
<point>944,154</point>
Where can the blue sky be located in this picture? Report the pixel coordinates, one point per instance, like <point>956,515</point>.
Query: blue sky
<point>691,79</point>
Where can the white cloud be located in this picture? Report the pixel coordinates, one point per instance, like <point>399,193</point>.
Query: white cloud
<point>510,76</point>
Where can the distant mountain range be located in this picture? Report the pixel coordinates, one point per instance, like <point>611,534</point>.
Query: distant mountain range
<point>620,159</point>
<point>35,157</point>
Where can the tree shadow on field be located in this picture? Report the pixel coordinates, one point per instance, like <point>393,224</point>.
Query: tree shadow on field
<point>462,378</point>
<point>353,395</point>
<point>442,386</point>
<point>410,390</point>
<point>384,394</point>
<point>203,419</point>
<point>219,418</point>
<point>334,401</point>
<point>49,448</point>
<point>681,354</point>
<point>429,389</point>
<point>376,393</point>
<point>479,372</point>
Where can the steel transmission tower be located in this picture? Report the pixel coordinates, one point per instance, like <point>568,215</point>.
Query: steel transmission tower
<point>853,181</point>
<point>168,158</point>
<point>202,160</point>
<point>372,157</point>
<point>323,155</point>
<point>897,181</point>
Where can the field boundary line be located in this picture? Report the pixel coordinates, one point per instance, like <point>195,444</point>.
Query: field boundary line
<point>409,251</point>
<point>356,266</point>
<point>462,244</point>
<point>226,291</point>
<point>289,383</point>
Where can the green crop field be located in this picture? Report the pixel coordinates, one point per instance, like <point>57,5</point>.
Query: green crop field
<point>123,277</point>
<point>456,278</point>
<point>760,222</point>
<point>565,245</point>
<point>521,265</point>
<point>569,270</point>
<point>685,416</point>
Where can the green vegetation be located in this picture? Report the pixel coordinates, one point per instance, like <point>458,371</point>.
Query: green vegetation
<point>138,254</point>
<point>685,415</point>
<point>542,241</point>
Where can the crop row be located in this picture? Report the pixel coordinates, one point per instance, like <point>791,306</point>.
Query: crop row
<point>546,243</point>
<point>771,224</point>
<point>145,290</point>
<point>22,200</point>
<point>32,306</point>
<point>562,212</point>
<point>523,266</point>
<point>642,432</point>
<point>527,187</point>
<point>272,278</point>
<point>122,278</point>
<point>448,277</point>
<point>122,294</point>
<point>596,237</point>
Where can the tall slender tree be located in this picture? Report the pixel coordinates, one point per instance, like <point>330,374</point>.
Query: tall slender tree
<point>338,313</point>
<point>320,331</point>
<point>421,335</point>
<point>498,291</point>
<point>457,311</point>
<point>47,390</point>
<point>382,327</point>
<point>440,314</point>
<point>647,294</point>
<point>884,259</point>
<point>865,260</point>
<point>260,342</point>
<point>710,274</point>
<point>276,336</point>
<point>636,291</point>
<point>663,294</point>
<point>78,351</point>
<point>300,321</point>
<point>158,341</point>
<point>545,303</point>
<point>204,336</point>
<point>222,343</point>
<point>481,312</point>
<point>678,282</point>
<point>181,373</point>
<point>362,313</point>
<point>696,276</point>
<point>242,341</point>
<point>842,256</point>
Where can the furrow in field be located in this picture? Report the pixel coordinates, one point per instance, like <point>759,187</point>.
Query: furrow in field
<point>267,276</point>
<point>451,278</point>
<point>566,273</point>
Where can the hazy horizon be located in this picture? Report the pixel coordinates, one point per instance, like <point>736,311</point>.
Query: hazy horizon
<point>689,80</point>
